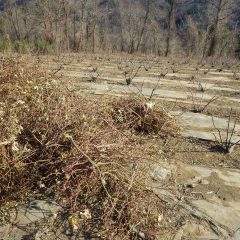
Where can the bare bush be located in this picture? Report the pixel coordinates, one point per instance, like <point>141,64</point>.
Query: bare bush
<point>225,139</point>
<point>198,97</point>
<point>141,116</point>
<point>94,74</point>
<point>129,70</point>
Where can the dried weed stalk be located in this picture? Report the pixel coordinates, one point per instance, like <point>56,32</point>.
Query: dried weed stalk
<point>225,139</point>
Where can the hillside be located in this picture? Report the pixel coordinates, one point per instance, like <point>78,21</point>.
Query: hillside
<point>148,26</point>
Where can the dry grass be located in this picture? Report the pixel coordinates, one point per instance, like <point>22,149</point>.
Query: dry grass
<point>135,113</point>
<point>83,152</point>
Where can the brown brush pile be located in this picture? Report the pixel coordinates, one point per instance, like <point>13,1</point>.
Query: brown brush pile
<point>79,151</point>
<point>135,113</point>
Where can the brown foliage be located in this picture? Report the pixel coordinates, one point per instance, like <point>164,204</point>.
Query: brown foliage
<point>135,113</point>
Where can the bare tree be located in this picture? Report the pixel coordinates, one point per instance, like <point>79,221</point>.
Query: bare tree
<point>147,10</point>
<point>170,24</point>
<point>147,26</point>
<point>219,11</point>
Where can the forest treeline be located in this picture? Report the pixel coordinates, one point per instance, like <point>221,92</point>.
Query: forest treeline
<point>164,27</point>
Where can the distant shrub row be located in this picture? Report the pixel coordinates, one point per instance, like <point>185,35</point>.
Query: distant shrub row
<point>39,46</point>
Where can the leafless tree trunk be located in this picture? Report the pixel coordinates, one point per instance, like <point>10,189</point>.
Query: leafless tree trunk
<point>12,14</point>
<point>220,10</point>
<point>170,28</point>
<point>211,32</point>
<point>144,24</point>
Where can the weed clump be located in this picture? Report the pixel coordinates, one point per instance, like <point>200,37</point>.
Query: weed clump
<point>22,47</point>
<point>76,150</point>
<point>133,112</point>
<point>5,44</point>
<point>43,47</point>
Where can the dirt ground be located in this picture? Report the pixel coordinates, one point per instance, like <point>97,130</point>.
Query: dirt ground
<point>197,81</point>
<point>224,75</point>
